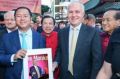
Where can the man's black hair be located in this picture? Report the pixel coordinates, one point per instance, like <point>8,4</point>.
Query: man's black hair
<point>23,8</point>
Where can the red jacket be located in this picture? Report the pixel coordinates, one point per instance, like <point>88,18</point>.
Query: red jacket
<point>104,39</point>
<point>52,42</point>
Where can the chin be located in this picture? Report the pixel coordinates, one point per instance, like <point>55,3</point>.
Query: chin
<point>48,32</point>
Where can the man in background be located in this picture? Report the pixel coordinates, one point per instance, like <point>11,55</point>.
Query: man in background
<point>90,20</point>
<point>9,21</point>
<point>10,25</point>
<point>38,21</point>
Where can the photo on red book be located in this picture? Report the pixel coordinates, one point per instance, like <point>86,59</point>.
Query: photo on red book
<point>38,64</point>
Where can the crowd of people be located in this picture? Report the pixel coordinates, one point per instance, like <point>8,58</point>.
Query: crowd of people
<point>81,48</point>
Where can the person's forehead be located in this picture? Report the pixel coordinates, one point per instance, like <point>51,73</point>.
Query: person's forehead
<point>48,19</point>
<point>109,13</point>
<point>75,8</point>
<point>8,16</point>
<point>75,5</point>
<point>22,11</point>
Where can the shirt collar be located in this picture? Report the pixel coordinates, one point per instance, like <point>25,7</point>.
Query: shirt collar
<point>28,33</point>
<point>77,27</point>
<point>9,31</point>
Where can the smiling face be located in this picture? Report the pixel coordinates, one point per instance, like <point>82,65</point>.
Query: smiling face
<point>10,20</point>
<point>48,25</point>
<point>23,19</point>
<point>75,14</point>
<point>109,23</point>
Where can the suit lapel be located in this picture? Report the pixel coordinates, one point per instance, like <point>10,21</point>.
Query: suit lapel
<point>80,40</point>
<point>66,41</point>
<point>5,31</point>
<point>34,40</point>
<point>16,40</point>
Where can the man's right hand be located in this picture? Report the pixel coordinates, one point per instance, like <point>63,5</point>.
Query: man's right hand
<point>20,54</point>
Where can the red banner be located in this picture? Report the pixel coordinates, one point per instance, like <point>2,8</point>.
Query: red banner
<point>33,5</point>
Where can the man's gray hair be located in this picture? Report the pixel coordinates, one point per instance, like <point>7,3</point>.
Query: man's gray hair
<point>9,12</point>
<point>77,2</point>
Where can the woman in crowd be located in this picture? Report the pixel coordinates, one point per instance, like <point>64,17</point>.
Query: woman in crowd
<point>48,25</point>
<point>111,66</point>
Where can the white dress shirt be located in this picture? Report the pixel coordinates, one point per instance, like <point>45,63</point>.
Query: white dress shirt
<point>70,34</point>
<point>28,40</point>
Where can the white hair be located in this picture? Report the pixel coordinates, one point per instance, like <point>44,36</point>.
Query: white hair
<point>9,13</point>
<point>77,2</point>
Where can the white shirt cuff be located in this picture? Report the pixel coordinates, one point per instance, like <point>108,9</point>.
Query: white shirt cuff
<point>12,59</point>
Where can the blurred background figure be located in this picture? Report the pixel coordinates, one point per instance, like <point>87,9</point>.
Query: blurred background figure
<point>38,19</point>
<point>98,25</point>
<point>90,20</point>
<point>51,36</point>
<point>2,25</point>
<point>38,22</point>
<point>33,25</point>
<point>61,24</point>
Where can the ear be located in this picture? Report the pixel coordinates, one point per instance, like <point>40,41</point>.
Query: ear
<point>31,18</point>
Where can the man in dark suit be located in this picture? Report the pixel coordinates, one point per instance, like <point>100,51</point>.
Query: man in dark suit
<point>10,25</point>
<point>79,50</point>
<point>35,71</point>
<point>13,47</point>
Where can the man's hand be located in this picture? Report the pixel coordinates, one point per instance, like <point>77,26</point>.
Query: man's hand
<point>20,54</point>
<point>54,65</point>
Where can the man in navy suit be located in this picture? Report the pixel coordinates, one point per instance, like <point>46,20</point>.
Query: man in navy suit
<point>11,52</point>
<point>35,71</point>
<point>85,60</point>
<point>10,25</point>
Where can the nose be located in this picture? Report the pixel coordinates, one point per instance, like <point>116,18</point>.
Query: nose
<point>22,17</point>
<point>104,22</point>
<point>9,21</point>
<point>73,13</point>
